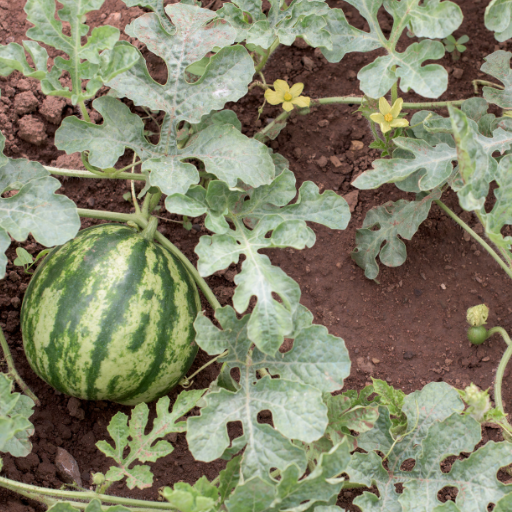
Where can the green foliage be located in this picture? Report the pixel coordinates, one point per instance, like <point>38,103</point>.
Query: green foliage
<point>302,18</point>
<point>254,213</point>
<point>100,59</point>
<point>141,447</point>
<point>384,225</point>
<point>436,430</point>
<point>455,46</point>
<point>26,260</point>
<point>318,362</point>
<point>433,19</point>
<point>222,149</point>
<point>15,427</point>
<point>35,209</point>
<point>498,18</point>
<point>497,65</point>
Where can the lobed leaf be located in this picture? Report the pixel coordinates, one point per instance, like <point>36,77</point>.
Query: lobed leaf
<point>142,447</point>
<point>436,430</point>
<point>265,210</point>
<point>302,18</point>
<point>100,59</point>
<point>294,399</point>
<point>498,18</point>
<point>497,64</point>
<point>200,497</point>
<point>319,487</point>
<point>15,427</point>
<point>35,209</point>
<point>392,220</point>
<point>433,19</point>
<point>93,506</point>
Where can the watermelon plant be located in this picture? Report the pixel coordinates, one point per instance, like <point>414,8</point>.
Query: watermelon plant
<point>112,312</point>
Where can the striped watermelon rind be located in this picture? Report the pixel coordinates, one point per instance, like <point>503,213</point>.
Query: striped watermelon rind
<point>109,316</point>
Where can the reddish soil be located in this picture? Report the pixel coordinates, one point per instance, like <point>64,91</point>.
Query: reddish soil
<point>409,329</point>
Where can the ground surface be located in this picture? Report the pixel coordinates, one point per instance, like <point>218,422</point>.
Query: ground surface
<point>408,330</point>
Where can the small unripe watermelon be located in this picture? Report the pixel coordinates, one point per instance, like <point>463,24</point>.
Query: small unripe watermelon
<point>109,316</point>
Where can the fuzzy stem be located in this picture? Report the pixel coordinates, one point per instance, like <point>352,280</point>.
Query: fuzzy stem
<point>186,382</point>
<point>356,100</point>
<point>86,174</point>
<point>480,240</point>
<point>162,240</point>
<point>12,369</point>
<point>270,51</point>
<point>85,114</point>
<point>41,493</point>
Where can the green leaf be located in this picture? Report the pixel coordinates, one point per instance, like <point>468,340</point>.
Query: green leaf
<point>477,167</point>
<point>501,213</point>
<point>24,258</point>
<point>302,18</point>
<point>50,218</point>
<point>195,34</point>
<point>265,210</point>
<point>199,498</point>
<point>497,65</point>
<point>296,406</point>
<point>15,427</point>
<point>141,446</point>
<point>436,430</point>
<point>436,161</point>
<point>229,478</point>
<point>101,58</point>
<point>158,7</point>
<point>498,18</point>
<point>392,220</point>
<point>504,504</point>
<point>320,486</point>
<point>223,150</point>
<point>433,19</point>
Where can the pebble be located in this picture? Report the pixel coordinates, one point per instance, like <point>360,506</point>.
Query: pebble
<point>409,355</point>
<point>457,73</point>
<point>323,123</point>
<point>308,63</point>
<point>352,199</point>
<point>67,467</point>
<point>335,161</point>
<point>356,145</point>
<point>322,161</point>
<point>418,292</point>
<point>75,409</point>
<point>375,360</point>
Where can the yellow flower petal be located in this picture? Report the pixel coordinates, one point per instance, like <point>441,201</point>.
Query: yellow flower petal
<point>377,118</point>
<point>301,101</point>
<point>396,108</point>
<point>274,97</point>
<point>384,106</point>
<point>296,89</point>
<point>399,123</point>
<point>385,127</point>
<point>281,86</point>
<point>288,106</point>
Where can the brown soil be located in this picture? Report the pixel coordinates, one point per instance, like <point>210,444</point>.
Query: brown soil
<point>408,330</point>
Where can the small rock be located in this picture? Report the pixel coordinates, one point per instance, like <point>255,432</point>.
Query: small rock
<point>356,145</point>
<point>14,276</point>
<point>323,123</point>
<point>466,236</point>
<point>322,161</point>
<point>442,286</point>
<point>25,102</point>
<point>408,355</point>
<point>75,409</point>
<point>339,264</point>
<point>113,19</point>
<point>15,301</point>
<point>308,269</point>
<point>352,199</point>
<point>308,63</point>
<point>364,365</point>
<point>417,292</point>
<point>172,437</point>
<point>67,467</point>
<point>351,75</point>
<point>485,359</point>
<point>297,152</point>
<point>335,161</point>
<point>448,362</point>
<point>52,108</point>
<point>375,360</point>
<point>32,129</point>
<point>457,73</point>
<point>91,201</point>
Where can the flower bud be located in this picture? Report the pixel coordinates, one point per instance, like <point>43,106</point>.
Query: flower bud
<point>98,478</point>
<point>477,315</point>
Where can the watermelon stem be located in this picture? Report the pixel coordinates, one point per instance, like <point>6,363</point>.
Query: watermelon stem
<point>186,382</point>
<point>12,373</point>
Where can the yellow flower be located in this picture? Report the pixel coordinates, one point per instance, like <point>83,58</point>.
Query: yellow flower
<point>388,117</point>
<point>286,95</point>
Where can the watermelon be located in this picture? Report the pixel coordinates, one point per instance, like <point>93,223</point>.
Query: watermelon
<point>109,316</point>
